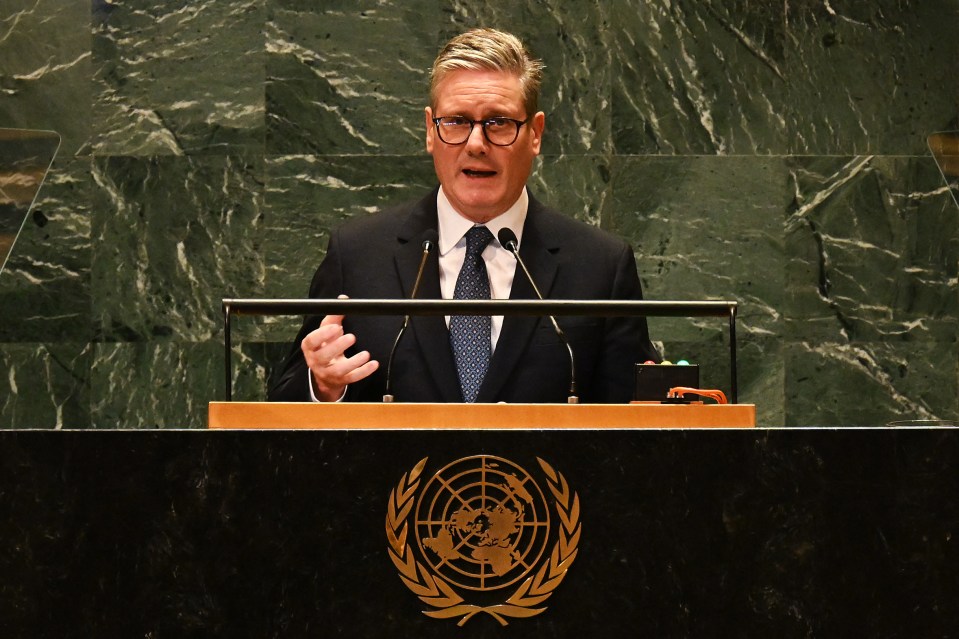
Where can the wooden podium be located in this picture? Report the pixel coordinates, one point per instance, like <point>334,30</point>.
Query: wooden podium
<point>398,416</point>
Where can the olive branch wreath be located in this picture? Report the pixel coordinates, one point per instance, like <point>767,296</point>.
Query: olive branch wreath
<point>435,592</point>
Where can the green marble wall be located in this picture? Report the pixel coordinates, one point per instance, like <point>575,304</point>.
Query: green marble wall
<point>772,153</point>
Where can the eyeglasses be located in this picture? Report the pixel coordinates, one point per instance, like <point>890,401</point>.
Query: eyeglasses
<point>455,129</point>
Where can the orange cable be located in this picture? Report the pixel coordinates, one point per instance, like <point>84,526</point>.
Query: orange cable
<point>715,394</point>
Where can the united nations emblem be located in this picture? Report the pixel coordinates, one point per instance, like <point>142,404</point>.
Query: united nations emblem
<point>474,539</point>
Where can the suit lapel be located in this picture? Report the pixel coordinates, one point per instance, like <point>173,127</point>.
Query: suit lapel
<point>429,331</point>
<point>538,251</point>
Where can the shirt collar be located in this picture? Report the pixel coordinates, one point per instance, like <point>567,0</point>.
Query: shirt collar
<point>453,226</point>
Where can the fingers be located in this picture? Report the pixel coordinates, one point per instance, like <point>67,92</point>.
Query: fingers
<point>324,350</point>
<point>325,343</point>
<point>334,319</point>
<point>352,369</point>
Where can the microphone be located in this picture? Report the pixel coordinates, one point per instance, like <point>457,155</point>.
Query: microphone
<point>507,238</point>
<point>430,238</point>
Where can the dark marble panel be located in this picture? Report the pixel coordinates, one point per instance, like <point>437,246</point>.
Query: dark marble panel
<point>45,69</point>
<point>874,77</point>
<point>761,376</point>
<point>577,185</point>
<point>698,77</point>
<point>178,77</point>
<point>873,246</point>
<point>347,77</point>
<point>255,367</point>
<point>865,383</point>
<point>788,533</point>
<point>44,385</point>
<point>158,384</point>
<point>794,77</point>
<point>173,237</point>
<point>45,285</point>
<point>164,384</point>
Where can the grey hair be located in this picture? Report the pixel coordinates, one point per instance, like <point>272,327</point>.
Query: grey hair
<point>490,50</point>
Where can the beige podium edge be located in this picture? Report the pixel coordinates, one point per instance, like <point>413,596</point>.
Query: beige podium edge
<point>400,416</point>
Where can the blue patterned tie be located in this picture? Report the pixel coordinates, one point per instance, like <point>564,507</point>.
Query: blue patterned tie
<point>470,334</point>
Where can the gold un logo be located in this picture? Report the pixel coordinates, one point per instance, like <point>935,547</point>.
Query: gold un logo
<point>474,539</point>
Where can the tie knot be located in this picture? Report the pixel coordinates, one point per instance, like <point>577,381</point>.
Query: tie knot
<point>477,238</point>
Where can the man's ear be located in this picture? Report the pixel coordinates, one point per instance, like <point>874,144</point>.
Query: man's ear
<point>537,125</point>
<point>430,129</point>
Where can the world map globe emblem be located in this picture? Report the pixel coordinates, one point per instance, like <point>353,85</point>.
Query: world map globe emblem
<point>482,523</point>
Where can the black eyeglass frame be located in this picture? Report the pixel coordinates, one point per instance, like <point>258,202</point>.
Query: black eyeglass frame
<point>519,124</point>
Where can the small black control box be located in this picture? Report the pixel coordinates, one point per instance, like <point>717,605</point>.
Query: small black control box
<point>653,381</point>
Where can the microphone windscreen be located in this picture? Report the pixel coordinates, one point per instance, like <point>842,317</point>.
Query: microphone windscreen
<point>507,237</point>
<point>430,239</point>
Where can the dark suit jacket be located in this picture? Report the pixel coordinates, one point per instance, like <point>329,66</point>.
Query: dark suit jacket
<point>377,257</point>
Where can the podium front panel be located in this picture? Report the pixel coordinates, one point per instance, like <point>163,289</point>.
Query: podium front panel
<point>703,533</point>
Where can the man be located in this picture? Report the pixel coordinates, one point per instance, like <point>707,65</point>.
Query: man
<point>483,130</point>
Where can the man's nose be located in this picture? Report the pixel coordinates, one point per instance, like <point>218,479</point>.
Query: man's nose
<point>477,142</point>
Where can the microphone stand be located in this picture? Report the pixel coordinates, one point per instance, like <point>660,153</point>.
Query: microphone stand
<point>508,239</point>
<point>427,247</point>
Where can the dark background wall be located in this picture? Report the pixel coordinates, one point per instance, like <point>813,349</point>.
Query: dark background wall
<point>771,153</point>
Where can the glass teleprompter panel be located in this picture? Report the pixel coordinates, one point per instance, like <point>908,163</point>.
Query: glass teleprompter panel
<point>945,149</point>
<point>25,159</point>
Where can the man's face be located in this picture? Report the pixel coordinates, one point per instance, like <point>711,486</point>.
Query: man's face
<point>480,179</point>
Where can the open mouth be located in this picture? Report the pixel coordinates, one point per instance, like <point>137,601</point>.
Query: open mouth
<point>472,173</point>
